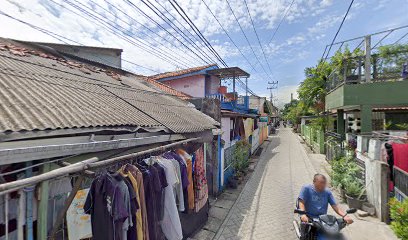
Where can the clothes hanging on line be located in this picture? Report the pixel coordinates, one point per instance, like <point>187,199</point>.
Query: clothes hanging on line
<point>143,200</point>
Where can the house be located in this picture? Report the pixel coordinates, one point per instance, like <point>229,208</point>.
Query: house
<point>367,97</point>
<point>239,115</point>
<point>58,109</point>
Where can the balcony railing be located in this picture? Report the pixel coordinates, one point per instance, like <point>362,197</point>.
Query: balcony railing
<point>231,101</point>
<point>383,68</point>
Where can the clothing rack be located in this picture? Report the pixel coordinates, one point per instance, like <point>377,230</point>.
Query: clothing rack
<point>82,166</point>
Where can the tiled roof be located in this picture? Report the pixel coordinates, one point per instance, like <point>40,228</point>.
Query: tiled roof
<point>39,91</point>
<point>168,89</point>
<point>180,72</point>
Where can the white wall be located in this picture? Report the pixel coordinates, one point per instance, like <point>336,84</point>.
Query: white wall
<point>226,127</point>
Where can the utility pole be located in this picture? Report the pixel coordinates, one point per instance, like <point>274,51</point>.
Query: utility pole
<point>273,85</point>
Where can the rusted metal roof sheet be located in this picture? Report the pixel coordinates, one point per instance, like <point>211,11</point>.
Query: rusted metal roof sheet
<point>38,92</point>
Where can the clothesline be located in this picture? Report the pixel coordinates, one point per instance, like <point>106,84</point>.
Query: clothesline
<point>91,163</point>
<point>143,198</point>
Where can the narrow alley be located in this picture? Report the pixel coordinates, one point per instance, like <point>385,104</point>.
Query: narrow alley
<point>264,209</point>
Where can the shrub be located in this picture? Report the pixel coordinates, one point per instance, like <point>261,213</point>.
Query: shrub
<point>399,216</point>
<point>240,155</point>
<point>343,170</point>
<point>354,188</point>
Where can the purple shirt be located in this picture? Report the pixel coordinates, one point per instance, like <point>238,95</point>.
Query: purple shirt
<point>105,204</point>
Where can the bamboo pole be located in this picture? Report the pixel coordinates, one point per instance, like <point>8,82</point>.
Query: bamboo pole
<point>68,201</point>
<point>82,166</point>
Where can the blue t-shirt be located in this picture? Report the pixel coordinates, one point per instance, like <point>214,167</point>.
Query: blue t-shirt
<point>316,203</point>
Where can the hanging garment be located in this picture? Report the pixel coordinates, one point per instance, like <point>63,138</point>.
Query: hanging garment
<point>189,196</point>
<point>178,187</point>
<point>136,232</point>
<point>183,167</point>
<point>200,181</point>
<point>128,228</point>
<point>400,151</point>
<point>153,189</point>
<point>136,177</point>
<point>106,202</point>
<point>170,224</point>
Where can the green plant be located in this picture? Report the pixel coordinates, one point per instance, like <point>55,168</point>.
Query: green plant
<point>353,187</point>
<point>399,216</point>
<point>240,156</point>
<point>388,125</point>
<point>343,170</point>
<point>402,126</point>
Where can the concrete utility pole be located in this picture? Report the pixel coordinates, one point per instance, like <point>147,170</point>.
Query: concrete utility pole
<point>367,63</point>
<point>274,85</point>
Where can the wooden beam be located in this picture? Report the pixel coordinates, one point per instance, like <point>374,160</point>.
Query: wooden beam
<point>68,201</point>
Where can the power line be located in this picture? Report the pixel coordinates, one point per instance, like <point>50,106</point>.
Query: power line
<point>243,32</point>
<point>338,30</point>
<point>158,14</point>
<point>187,19</point>
<point>163,16</point>
<point>60,38</point>
<point>229,37</point>
<point>256,33</point>
<point>281,21</point>
<point>184,27</point>
<point>122,34</point>
<point>135,20</point>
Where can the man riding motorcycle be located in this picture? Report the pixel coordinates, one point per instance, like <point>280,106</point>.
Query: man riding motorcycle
<point>314,199</point>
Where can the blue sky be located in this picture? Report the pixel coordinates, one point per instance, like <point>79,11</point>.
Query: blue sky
<point>299,43</point>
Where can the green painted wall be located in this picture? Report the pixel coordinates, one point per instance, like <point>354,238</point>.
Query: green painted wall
<point>381,93</point>
<point>335,99</point>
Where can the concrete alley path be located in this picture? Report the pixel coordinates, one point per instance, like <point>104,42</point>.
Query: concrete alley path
<point>264,209</point>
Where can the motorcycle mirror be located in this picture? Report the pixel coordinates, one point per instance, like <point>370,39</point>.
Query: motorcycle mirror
<point>351,210</point>
<point>299,211</point>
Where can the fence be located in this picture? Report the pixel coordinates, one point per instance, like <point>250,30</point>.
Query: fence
<point>401,183</point>
<point>314,138</point>
<point>229,161</point>
<point>334,146</point>
<point>384,68</point>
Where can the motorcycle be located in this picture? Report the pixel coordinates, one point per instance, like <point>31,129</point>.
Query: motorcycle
<point>325,227</point>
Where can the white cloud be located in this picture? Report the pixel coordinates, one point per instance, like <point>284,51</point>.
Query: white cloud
<point>59,17</point>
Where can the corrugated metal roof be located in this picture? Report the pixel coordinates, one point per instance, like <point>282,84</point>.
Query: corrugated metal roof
<point>39,93</point>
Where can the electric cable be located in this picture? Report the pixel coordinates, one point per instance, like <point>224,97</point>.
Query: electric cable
<point>338,30</point>
<point>243,32</point>
<point>160,26</point>
<point>163,16</point>
<point>187,19</point>
<point>256,33</point>
<point>123,34</point>
<point>281,21</point>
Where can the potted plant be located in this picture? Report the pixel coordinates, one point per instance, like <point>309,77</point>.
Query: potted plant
<point>399,217</point>
<point>354,193</point>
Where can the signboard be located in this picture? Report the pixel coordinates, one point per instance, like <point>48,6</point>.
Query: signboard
<point>78,223</point>
<point>263,119</point>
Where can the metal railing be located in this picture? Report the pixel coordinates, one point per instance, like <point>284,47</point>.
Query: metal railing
<point>383,68</point>
<point>401,183</point>
<point>334,146</point>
